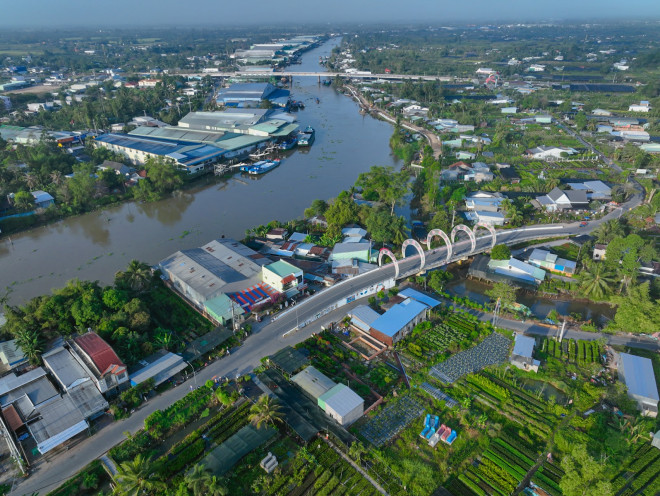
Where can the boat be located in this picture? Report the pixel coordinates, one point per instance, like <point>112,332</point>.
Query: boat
<point>327,82</point>
<point>288,144</point>
<point>260,167</point>
<point>306,137</point>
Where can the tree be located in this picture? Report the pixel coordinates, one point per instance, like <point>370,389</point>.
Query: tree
<point>82,185</point>
<point>441,220</point>
<point>390,186</point>
<point>500,252</point>
<point>216,488</point>
<point>637,311</point>
<point>341,212</point>
<point>596,279</point>
<point>318,207</point>
<point>24,201</point>
<point>356,451</point>
<point>583,476</point>
<point>137,277</point>
<point>198,479</point>
<point>504,292</point>
<point>31,342</point>
<point>265,411</point>
<point>162,175</point>
<point>136,477</point>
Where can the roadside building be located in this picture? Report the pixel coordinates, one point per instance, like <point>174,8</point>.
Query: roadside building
<point>108,371</point>
<point>397,322</point>
<point>637,374</point>
<point>342,404</point>
<point>220,266</point>
<point>222,309</point>
<point>349,251</point>
<point>160,367</point>
<point>643,106</point>
<point>283,277</point>
<point>549,261</point>
<point>489,218</point>
<point>521,356</point>
<point>595,190</point>
<point>558,200</point>
<point>363,316</point>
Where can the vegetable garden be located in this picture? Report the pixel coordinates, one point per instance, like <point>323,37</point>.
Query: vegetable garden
<point>580,352</point>
<point>391,420</point>
<point>429,340</point>
<point>641,475</point>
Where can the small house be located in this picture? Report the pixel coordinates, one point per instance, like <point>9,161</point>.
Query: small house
<point>42,199</point>
<point>283,277</point>
<point>521,356</point>
<point>342,404</point>
<point>599,251</point>
<point>637,374</point>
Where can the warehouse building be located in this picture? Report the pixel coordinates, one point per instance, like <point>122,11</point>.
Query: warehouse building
<point>398,321</point>
<point>160,366</point>
<point>252,94</point>
<point>220,266</point>
<point>637,374</point>
<point>313,382</point>
<point>342,404</point>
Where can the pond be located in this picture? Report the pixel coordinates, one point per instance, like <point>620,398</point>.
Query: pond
<point>545,389</point>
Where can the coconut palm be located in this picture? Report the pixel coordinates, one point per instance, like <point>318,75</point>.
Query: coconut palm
<point>609,230</point>
<point>596,279</point>
<point>198,479</point>
<point>136,477</point>
<point>31,343</point>
<point>137,276</point>
<point>215,488</point>
<point>31,180</point>
<point>265,411</point>
<point>56,177</point>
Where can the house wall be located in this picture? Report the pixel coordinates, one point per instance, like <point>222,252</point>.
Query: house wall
<point>349,418</point>
<point>275,281</point>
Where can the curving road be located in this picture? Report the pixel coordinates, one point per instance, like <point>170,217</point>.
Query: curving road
<point>268,338</point>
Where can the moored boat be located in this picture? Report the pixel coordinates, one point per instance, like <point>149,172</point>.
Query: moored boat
<point>306,137</point>
<point>288,144</point>
<point>265,167</point>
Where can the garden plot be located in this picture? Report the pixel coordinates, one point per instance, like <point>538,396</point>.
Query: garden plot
<point>492,350</point>
<point>392,420</point>
<point>439,395</point>
<point>641,475</point>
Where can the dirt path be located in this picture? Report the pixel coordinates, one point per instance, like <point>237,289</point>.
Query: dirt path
<point>356,467</point>
<point>433,139</point>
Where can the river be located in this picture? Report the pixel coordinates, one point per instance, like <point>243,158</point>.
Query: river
<point>96,245</point>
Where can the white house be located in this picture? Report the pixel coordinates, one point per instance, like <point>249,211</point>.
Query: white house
<point>549,152</point>
<point>643,106</point>
<point>559,199</point>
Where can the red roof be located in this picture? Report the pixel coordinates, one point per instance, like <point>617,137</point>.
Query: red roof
<point>12,417</point>
<point>99,351</point>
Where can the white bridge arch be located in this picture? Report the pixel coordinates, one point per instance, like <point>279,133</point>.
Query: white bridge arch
<point>387,252</point>
<point>466,230</point>
<point>418,247</point>
<point>439,232</point>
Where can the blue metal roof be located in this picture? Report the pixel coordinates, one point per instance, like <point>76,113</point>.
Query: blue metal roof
<point>397,317</point>
<point>421,297</point>
<point>524,346</point>
<point>638,376</point>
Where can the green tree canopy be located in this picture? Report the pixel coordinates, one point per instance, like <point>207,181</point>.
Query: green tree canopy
<point>636,311</point>
<point>504,292</point>
<point>500,252</point>
<point>583,476</point>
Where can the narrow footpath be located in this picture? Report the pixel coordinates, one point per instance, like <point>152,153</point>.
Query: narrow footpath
<point>356,467</point>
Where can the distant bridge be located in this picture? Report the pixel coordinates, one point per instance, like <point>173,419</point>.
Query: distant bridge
<point>362,75</point>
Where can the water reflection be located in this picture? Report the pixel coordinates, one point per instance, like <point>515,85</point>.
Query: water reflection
<point>170,211</point>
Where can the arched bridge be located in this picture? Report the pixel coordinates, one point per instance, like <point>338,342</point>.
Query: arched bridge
<point>449,241</point>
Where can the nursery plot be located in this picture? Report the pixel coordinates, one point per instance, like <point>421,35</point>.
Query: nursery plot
<point>392,420</point>
<point>492,350</point>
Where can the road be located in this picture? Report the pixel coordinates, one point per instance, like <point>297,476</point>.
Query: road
<point>267,338</point>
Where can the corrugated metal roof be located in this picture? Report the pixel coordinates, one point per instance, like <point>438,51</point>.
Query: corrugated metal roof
<point>99,352</point>
<point>341,399</point>
<point>12,417</point>
<point>523,346</point>
<point>638,376</point>
<point>64,367</point>
<point>161,369</point>
<point>282,268</point>
<point>313,382</point>
<point>421,297</point>
<point>397,317</point>
<point>363,316</point>
<point>87,399</point>
<point>11,353</point>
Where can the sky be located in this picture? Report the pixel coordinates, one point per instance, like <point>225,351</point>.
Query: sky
<point>117,13</point>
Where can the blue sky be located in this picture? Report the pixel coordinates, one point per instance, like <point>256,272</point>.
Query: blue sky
<point>93,13</point>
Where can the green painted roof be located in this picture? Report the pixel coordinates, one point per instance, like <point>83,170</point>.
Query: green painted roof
<point>282,268</point>
<point>286,130</point>
<point>241,142</point>
<point>220,307</point>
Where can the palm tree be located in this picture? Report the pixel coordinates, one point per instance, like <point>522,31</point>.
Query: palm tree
<point>596,279</point>
<point>136,477</point>
<point>265,410</point>
<point>137,276</point>
<point>31,180</point>
<point>608,231</point>
<point>198,479</point>
<point>216,488</point>
<point>31,343</point>
<point>56,177</point>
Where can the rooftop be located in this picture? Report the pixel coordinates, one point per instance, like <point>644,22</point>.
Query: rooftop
<point>341,399</point>
<point>523,346</point>
<point>65,368</point>
<point>397,317</point>
<point>419,296</point>
<point>638,376</point>
<point>99,352</point>
<point>282,268</point>
<point>313,381</point>
<point>160,366</point>
<point>363,316</point>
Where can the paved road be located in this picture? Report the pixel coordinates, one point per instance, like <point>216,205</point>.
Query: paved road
<point>268,338</point>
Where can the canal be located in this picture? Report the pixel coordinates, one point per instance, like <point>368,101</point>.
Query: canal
<point>96,245</point>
